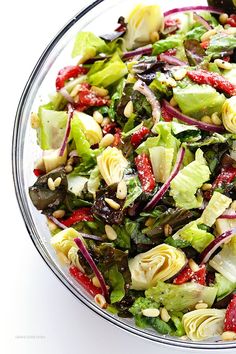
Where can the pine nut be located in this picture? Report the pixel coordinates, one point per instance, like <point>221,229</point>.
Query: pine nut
<point>96,282</point>
<point>151,312</point>
<point>201,306</point>
<point>208,35</point>
<point>228,336</point>
<point>98,117</point>
<point>105,122</point>
<point>52,227</point>
<point>100,301</point>
<point>110,232</point>
<point>164,314</point>
<point>34,120</point>
<point>68,168</point>
<point>150,222</point>
<point>222,64</point>
<point>193,265</point>
<point>107,140</point>
<point>167,230</point>
<point>179,74</point>
<point>129,108</point>
<point>223,18</point>
<point>233,205</point>
<point>171,82</point>
<point>121,190</point>
<point>57,182</point>
<point>112,203</point>
<point>216,119</point>
<point>206,186</point>
<point>154,37</point>
<point>206,119</point>
<point>51,185</point>
<point>58,214</point>
<point>173,102</point>
<point>100,91</point>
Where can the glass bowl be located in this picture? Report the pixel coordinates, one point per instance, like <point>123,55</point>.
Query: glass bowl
<point>99,17</point>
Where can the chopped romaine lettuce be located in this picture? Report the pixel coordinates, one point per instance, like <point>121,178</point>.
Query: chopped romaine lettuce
<point>161,160</point>
<point>225,262</point>
<point>219,43</point>
<point>196,32</point>
<point>198,238</point>
<point>134,191</point>
<point>215,138</point>
<point>184,186</point>
<point>224,286</point>
<point>81,143</point>
<point>216,207</point>
<point>168,43</point>
<point>108,73</point>
<point>94,181</point>
<point>117,283</point>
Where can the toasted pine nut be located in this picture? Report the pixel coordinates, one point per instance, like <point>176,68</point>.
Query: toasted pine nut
<point>223,18</point>
<point>228,336</point>
<point>208,35</point>
<point>206,119</point>
<point>173,102</point>
<point>216,119</point>
<point>51,185</point>
<point>151,312</point>
<point>149,222</point>
<point>222,64</point>
<point>52,227</point>
<point>201,306</point>
<point>98,117</point>
<point>34,120</point>
<point>233,205</point>
<point>121,190</point>
<point>57,182</point>
<point>206,186</point>
<point>96,282</point>
<point>170,81</point>
<point>129,108</point>
<point>105,122</point>
<point>68,168</point>
<point>58,214</point>
<point>110,232</point>
<point>164,314</point>
<point>154,37</point>
<point>100,91</point>
<point>100,301</point>
<point>167,230</point>
<point>179,74</point>
<point>193,265</point>
<point>107,140</point>
<point>112,203</point>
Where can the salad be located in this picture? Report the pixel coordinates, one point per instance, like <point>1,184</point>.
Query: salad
<point>137,178</point>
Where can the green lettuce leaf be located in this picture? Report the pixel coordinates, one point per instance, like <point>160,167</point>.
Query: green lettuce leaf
<point>108,73</point>
<point>224,286</point>
<point>117,283</point>
<point>184,186</point>
<point>81,143</point>
<point>219,43</point>
<point>215,138</point>
<point>205,100</point>
<point>94,181</point>
<point>170,42</point>
<point>87,45</point>
<point>196,33</point>
<point>198,238</point>
<point>134,191</point>
<point>216,207</point>
<point>142,303</point>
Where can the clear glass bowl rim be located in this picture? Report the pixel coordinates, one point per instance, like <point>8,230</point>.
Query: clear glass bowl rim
<point>19,190</point>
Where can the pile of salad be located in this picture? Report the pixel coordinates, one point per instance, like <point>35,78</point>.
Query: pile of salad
<point>137,178</point>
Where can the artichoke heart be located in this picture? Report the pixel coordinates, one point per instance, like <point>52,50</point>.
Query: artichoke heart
<point>64,240</point>
<point>111,164</point>
<point>74,258</point>
<point>229,114</point>
<point>160,263</point>
<point>203,324</point>
<point>90,127</point>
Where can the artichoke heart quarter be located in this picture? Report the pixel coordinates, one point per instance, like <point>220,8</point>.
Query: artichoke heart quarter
<point>160,263</point>
<point>203,324</point>
<point>111,164</point>
<point>229,114</point>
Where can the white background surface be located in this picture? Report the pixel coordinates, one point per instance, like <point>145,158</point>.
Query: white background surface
<point>38,315</point>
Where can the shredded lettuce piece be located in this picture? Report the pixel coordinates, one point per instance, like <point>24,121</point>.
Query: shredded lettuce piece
<point>161,160</point>
<point>221,43</point>
<point>134,191</point>
<point>198,238</point>
<point>81,143</point>
<point>216,206</point>
<point>117,283</point>
<point>168,43</point>
<point>94,181</point>
<point>184,186</point>
<point>224,286</point>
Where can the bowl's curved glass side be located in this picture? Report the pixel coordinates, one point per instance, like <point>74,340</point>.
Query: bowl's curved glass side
<point>25,152</point>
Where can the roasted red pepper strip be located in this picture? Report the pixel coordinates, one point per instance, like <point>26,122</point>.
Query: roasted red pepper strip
<point>82,214</point>
<point>145,173</point>
<point>213,79</point>
<point>85,281</point>
<point>67,73</point>
<point>139,136</point>
<point>226,176</point>
<point>38,172</point>
<point>109,128</point>
<point>230,316</point>
<point>117,137</point>
<point>205,44</point>
<point>165,115</point>
<point>90,99</point>
<point>187,274</point>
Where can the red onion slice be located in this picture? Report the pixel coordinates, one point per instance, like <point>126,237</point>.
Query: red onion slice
<point>151,98</point>
<point>153,202</point>
<point>147,50</point>
<point>211,9</point>
<point>67,132</point>
<point>228,216</point>
<point>217,242</point>
<point>202,21</point>
<point>57,222</point>
<point>92,264</point>
<point>63,91</point>
<point>171,60</point>
<point>186,119</point>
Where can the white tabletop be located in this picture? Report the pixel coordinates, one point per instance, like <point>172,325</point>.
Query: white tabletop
<point>38,315</point>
